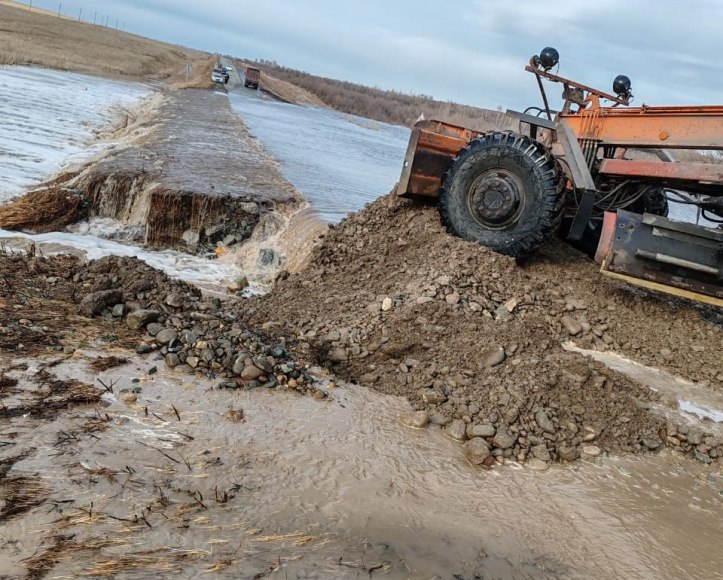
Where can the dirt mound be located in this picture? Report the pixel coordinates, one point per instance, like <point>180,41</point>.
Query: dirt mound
<point>475,340</point>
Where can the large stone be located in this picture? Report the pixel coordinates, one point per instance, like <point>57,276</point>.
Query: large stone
<point>153,328</point>
<point>172,360</point>
<point>452,298</point>
<point>476,450</point>
<point>251,372</point>
<point>239,364</point>
<point>167,336</point>
<point>591,450</point>
<point>432,396</point>
<point>139,318</point>
<point>333,336</point>
<point>337,355</point>
<point>544,422</point>
<point>483,430</point>
<point>493,356</point>
<point>504,440</point>
<point>438,418</point>
<point>175,300</point>
<point>94,303</point>
<point>416,419</point>
<point>238,284</point>
<point>387,304</point>
<point>456,430</point>
<point>572,325</point>
<point>540,452</point>
<point>568,452</point>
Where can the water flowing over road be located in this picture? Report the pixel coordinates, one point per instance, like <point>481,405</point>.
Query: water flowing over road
<point>339,162</point>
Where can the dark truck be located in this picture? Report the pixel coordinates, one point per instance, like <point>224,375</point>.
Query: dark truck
<point>252,77</point>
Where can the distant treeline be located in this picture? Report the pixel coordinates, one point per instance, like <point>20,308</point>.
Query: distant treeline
<point>387,106</point>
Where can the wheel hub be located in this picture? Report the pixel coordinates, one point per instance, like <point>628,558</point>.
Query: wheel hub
<point>495,198</point>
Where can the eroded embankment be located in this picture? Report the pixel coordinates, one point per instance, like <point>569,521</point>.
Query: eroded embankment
<point>475,341</point>
<point>186,175</point>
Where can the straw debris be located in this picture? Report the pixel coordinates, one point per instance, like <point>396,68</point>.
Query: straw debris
<point>20,494</point>
<point>45,210</point>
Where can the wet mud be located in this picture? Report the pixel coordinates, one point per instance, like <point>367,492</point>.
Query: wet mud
<point>183,479</point>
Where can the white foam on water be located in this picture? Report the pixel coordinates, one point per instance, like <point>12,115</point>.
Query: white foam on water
<point>50,118</point>
<point>212,275</point>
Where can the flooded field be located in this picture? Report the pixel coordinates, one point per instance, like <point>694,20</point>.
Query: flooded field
<point>52,118</point>
<point>186,479</point>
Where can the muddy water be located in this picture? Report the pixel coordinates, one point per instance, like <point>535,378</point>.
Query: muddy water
<point>300,488</point>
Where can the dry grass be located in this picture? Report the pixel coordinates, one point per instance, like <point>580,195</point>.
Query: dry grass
<point>20,494</point>
<point>103,363</point>
<point>46,210</point>
<point>41,39</point>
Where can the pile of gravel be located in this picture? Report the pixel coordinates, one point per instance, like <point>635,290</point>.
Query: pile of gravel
<point>168,318</point>
<point>475,341</point>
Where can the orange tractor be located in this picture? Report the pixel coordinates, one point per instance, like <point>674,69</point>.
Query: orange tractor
<point>602,177</point>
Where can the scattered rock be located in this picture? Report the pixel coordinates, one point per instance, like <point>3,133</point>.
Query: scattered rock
<point>167,335</point>
<point>651,444</point>
<point>172,360</point>
<point>456,430</point>
<point>544,422</point>
<point>432,396</point>
<point>128,397</point>
<point>572,325</point>
<point>480,430</point>
<point>494,356</point>
<point>417,419</point>
<point>541,452</point>
<point>568,452</point>
<point>537,464</point>
<point>139,318</point>
<point>476,450</point>
<point>337,355</point>
<point>504,440</point>
<point>251,372</point>
<point>591,450</point>
<point>95,302</point>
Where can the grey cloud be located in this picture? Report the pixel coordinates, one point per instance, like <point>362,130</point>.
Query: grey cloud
<point>470,51</point>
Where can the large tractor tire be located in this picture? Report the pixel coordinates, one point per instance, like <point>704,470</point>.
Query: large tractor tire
<point>502,191</point>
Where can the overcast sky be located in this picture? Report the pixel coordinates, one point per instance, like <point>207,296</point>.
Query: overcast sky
<point>468,51</point>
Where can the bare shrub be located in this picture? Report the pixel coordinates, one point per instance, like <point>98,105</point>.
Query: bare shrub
<point>382,105</point>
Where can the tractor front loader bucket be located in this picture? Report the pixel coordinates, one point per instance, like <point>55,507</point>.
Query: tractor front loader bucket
<point>662,254</point>
<point>433,145</point>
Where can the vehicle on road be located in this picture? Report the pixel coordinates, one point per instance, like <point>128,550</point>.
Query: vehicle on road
<point>220,75</point>
<point>252,77</point>
<point>586,172</point>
